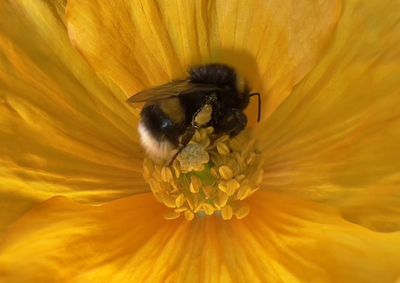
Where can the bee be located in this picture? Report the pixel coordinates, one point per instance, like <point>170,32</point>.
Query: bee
<point>168,118</point>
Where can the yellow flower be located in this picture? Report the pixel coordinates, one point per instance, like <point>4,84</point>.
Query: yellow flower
<point>74,204</point>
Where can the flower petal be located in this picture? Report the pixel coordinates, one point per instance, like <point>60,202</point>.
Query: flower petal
<point>62,131</point>
<point>144,43</point>
<point>338,135</point>
<point>282,240</point>
<point>12,207</point>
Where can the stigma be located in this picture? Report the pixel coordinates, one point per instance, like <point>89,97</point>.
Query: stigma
<point>213,175</point>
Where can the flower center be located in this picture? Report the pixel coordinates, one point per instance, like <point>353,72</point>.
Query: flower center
<point>212,175</point>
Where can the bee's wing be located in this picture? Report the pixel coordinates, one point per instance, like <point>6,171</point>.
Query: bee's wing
<point>169,90</point>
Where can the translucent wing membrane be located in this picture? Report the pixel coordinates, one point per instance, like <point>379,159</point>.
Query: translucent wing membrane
<point>170,90</point>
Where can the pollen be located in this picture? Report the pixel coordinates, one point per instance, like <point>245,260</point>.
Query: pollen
<point>213,175</point>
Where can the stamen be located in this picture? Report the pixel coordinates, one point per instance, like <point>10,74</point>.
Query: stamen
<point>213,175</point>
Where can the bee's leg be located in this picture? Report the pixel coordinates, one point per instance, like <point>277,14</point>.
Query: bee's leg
<point>187,136</point>
<point>184,140</point>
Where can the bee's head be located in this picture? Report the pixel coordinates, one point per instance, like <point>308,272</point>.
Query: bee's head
<point>233,122</point>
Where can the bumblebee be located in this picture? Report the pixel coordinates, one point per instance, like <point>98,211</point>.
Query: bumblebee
<point>168,118</point>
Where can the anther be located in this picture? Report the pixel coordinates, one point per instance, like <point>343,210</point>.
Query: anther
<point>211,176</point>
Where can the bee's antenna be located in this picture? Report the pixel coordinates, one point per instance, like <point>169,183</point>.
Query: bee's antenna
<point>259,105</point>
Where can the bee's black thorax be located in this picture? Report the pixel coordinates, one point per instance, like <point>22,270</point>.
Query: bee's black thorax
<point>228,108</point>
<point>215,74</point>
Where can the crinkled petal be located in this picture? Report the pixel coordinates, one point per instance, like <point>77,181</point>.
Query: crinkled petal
<point>62,131</point>
<point>138,44</point>
<point>282,240</point>
<point>337,137</point>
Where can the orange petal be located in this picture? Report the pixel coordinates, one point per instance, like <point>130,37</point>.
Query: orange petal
<point>62,131</point>
<point>12,207</point>
<point>338,135</point>
<point>138,44</point>
<point>282,240</point>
